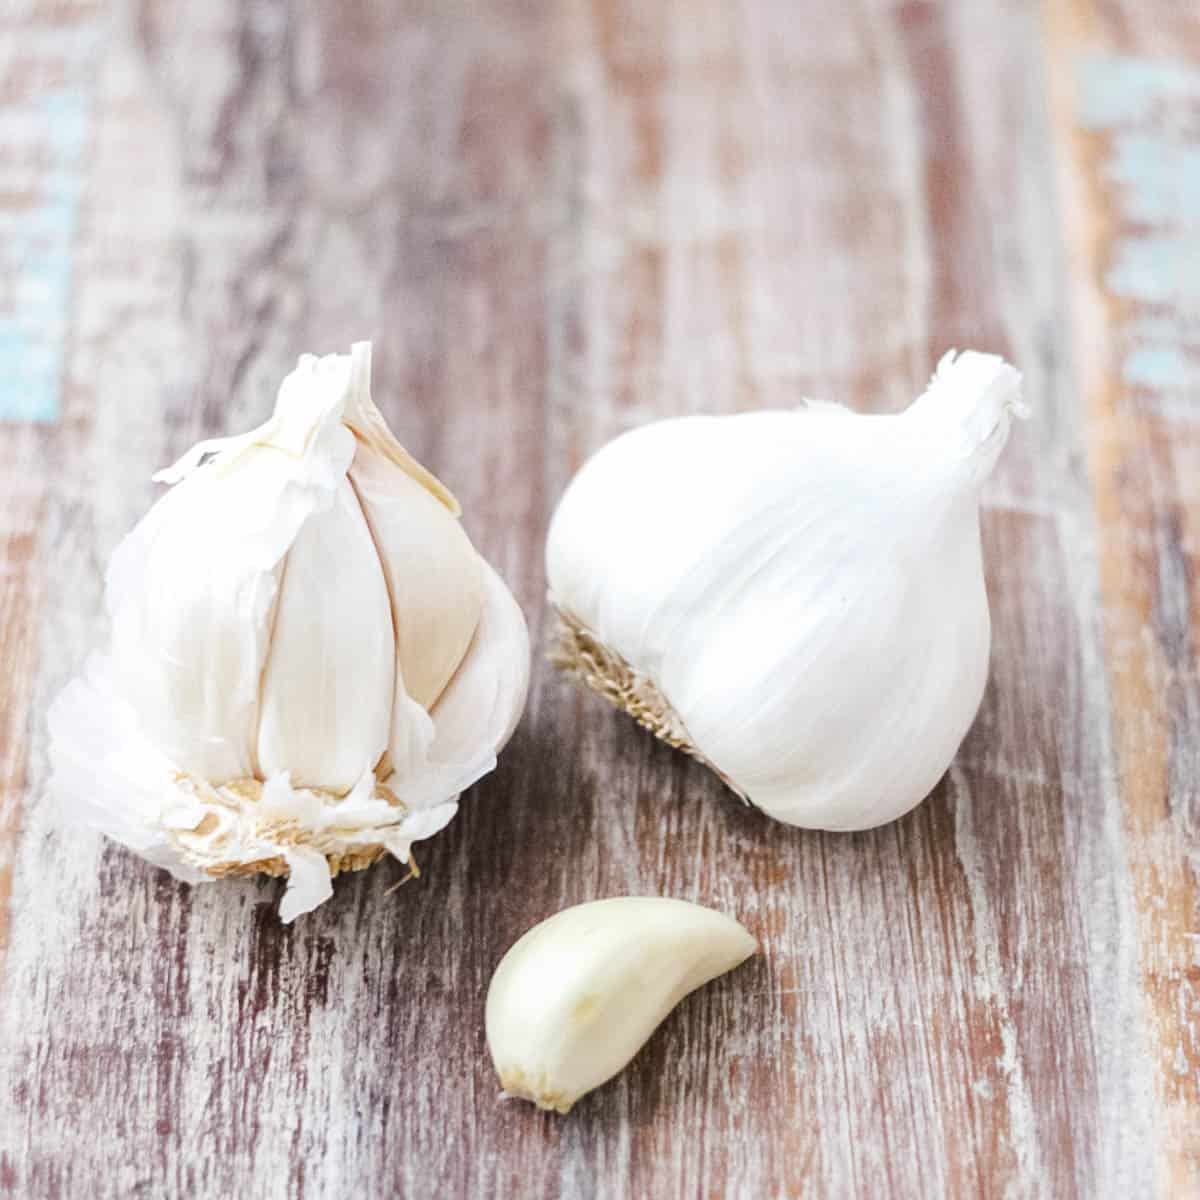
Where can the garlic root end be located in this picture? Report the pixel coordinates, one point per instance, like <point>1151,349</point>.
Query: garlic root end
<point>579,653</point>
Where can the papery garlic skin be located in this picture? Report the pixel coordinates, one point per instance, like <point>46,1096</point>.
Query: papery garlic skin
<point>795,597</point>
<point>578,996</point>
<point>309,661</point>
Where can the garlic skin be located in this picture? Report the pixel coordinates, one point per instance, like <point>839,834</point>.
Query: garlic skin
<point>794,597</point>
<point>578,996</point>
<point>309,661</point>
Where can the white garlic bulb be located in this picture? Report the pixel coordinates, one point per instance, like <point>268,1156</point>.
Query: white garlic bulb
<point>794,597</point>
<point>309,660</point>
<point>577,996</point>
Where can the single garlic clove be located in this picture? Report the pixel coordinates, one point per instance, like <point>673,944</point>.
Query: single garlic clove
<point>325,711</point>
<point>487,694</point>
<point>576,998</point>
<point>480,706</point>
<point>434,575</point>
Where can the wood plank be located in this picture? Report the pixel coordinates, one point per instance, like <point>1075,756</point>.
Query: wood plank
<point>1127,106</point>
<point>558,221</point>
<point>20,594</point>
<point>46,52</point>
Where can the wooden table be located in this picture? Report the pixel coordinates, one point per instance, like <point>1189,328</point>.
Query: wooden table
<point>558,220</point>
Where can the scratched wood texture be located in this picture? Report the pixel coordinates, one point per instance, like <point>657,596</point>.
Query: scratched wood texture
<point>557,220</point>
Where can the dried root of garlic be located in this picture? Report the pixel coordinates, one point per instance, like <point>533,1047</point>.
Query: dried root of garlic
<point>805,612</point>
<point>309,661</point>
<point>576,998</point>
<point>579,653</point>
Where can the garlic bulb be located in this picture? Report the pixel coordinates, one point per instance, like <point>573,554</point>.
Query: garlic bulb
<point>578,996</point>
<point>794,597</point>
<point>309,660</point>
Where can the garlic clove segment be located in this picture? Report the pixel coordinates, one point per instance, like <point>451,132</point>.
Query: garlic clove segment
<point>480,707</point>
<point>487,694</point>
<point>806,613</point>
<point>279,694</point>
<point>577,996</point>
<point>327,687</point>
<point>435,577</point>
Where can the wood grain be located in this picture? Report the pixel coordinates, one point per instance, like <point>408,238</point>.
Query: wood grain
<point>557,221</point>
<point>1134,93</point>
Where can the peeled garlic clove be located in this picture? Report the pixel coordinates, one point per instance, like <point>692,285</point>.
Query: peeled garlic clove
<point>330,676</point>
<point>277,695</point>
<point>576,998</point>
<point>806,610</point>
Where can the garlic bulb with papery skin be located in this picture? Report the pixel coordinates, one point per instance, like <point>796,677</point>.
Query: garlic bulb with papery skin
<point>794,597</point>
<point>309,660</point>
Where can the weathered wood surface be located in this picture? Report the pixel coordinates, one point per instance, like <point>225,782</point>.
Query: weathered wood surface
<point>557,220</point>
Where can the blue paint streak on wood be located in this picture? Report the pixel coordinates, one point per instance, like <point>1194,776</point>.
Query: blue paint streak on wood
<point>1149,111</point>
<point>48,130</point>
